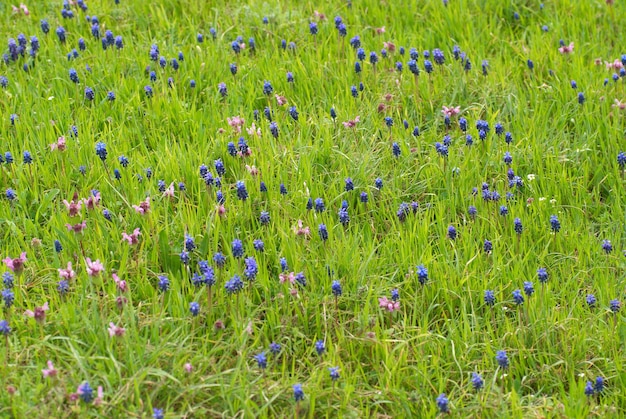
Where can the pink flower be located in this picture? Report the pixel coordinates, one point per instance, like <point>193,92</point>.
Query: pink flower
<point>121,284</point>
<point>50,371</point>
<point>280,100</point>
<point>132,238</point>
<point>94,268</point>
<point>67,273</point>
<point>283,277</point>
<point>169,192</point>
<point>567,49</point>
<point>450,112</point>
<point>236,122</point>
<point>389,305</point>
<point>143,207</point>
<point>24,9</point>
<point>253,130</point>
<point>73,207</point>
<point>17,264</point>
<point>59,145</point>
<point>252,170</point>
<point>379,31</point>
<point>77,228</point>
<point>188,368</point>
<point>100,399</point>
<point>390,46</point>
<point>39,314</point>
<point>619,104</point>
<point>121,301</point>
<point>116,330</point>
<point>300,230</point>
<point>92,201</point>
<point>221,210</point>
<point>318,15</point>
<point>352,123</point>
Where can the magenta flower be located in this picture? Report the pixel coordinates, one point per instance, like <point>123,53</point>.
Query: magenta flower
<point>301,231</point>
<point>281,100</point>
<point>94,268</point>
<point>116,330</point>
<point>50,371</point>
<point>143,207</point>
<point>132,238</point>
<point>77,228</point>
<point>121,284</point>
<point>169,192</point>
<point>59,145</point>
<point>236,123</point>
<point>567,49</point>
<point>389,305</point>
<point>73,207</point>
<point>188,368</point>
<point>17,264</point>
<point>284,277</point>
<point>92,201</point>
<point>450,112</point>
<point>67,273</point>
<point>352,123</point>
<point>100,398</point>
<point>39,314</point>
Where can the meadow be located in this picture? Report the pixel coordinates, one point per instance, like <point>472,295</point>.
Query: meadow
<point>313,209</point>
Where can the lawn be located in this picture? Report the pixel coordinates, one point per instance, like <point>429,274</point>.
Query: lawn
<point>313,209</point>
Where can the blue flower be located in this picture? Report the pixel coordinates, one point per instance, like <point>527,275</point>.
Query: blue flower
<point>502,359</point>
<point>8,297</point>
<point>274,348</point>
<point>319,347</point>
<point>237,248</point>
<point>194,308</point>
<point>487,246</point>
<point>489,297</point>
<point>323,232</point>
<point>589,390</point>
<point>267,88</point>
<point>298,394</point>
<point>334,373</point>
<point>5,329</point>
<point>615,305</point>
<point>528,288</point>
<point>242,192</point>
<point>86,392</point>
<point>234,285</point>
<point>261,360</point>
<point>219,259</point>
<point>158,413</point>
<point>164,283</point>
<point>443,403</point>
<point>422,274</point>
<point>336,288</point>
<point>477,381</point>
<point>251,269</point>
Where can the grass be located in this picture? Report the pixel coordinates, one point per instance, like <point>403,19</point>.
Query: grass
<point>390,364</point>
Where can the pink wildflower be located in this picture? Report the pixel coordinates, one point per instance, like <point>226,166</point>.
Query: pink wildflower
<point>236,122</point>
<point>132,238</point>
<point>59,145</point>
<point>116,330</point>
<point>40,312</point>
<point>619,104</point>
<point>50,371</point>
<point>67,273</point>
<point>300,230</point>
<point>253,130</point>
<point>390,46</point>
<point>77,228</point>
<point>17,264</point>
<point>92,201</point>
<point>352,123</point>
<point>143,207</point>
<point>221,210</point>
<point>100,399</point>
<point>567,49</point>
<point>379,31</point>
<point>94,268</point>
<point>450,112</point>
<point>188,368</point>
<point>252,170</point>
<point>121,284</point>
<point>281,100</point>
<point>389,305</point>
<point>169,192</point>
<point>24,9</point>
<point>73,207</point>
<point>283,277</point>
<point>318,15</point>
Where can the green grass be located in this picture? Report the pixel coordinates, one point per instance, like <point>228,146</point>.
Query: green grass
<point>391,365</point>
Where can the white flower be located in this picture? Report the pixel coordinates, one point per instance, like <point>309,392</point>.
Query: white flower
<point>530,177</point>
